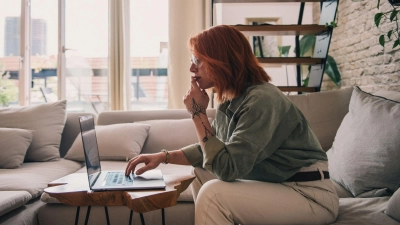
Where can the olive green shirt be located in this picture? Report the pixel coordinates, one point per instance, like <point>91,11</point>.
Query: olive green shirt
<point>260,135</point>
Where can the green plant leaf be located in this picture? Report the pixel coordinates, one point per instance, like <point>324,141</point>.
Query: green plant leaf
<point>333,24</point>
<point>382,40</point>
<point>389,34</point>
<point>305,81</point>
<point>396,43</point>
<point>379,2</point>
<point>378,18</point>
<point>284,50</point>
<point>332,70</point>
<point>306,43</point>
<point>393,15</point>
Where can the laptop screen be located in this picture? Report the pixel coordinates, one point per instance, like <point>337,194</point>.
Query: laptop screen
<point>90,148</point>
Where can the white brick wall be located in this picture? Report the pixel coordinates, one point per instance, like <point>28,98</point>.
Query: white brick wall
<point>361,60</point>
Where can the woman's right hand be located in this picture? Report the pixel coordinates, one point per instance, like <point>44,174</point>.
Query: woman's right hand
<point>151,161</point>
<point>196,100</point>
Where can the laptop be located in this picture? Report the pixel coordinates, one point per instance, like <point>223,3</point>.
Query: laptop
<point>112,180</point>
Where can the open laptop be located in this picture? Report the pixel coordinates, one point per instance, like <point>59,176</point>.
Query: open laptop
<point>112,180</point>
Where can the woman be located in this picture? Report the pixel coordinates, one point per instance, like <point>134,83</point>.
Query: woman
<point>259,162</point>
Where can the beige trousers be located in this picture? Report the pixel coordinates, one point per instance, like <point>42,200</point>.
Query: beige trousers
<point>253,202</point>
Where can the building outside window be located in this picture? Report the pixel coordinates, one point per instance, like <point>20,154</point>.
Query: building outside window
<point>9,52</point>
<point>84,51</point>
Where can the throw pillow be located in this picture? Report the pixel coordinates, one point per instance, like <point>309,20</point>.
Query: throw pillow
<point>115,142</point>
<point>46,120</point>
<point>13,145</point>
<point>170,134</point>
<point>393,206</point>
<point>365,152</point>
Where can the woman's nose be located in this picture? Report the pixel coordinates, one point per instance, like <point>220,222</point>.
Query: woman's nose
<point>192,68</point>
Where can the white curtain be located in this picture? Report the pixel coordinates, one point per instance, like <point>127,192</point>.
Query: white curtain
<point>119,55</point>
<point>186,18</point>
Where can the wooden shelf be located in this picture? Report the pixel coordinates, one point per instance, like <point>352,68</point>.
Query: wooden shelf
<point>261,1</point>
<point>281,30</point>
<point>328,9</point>
<point>297,89</point>
<point>290,60</point>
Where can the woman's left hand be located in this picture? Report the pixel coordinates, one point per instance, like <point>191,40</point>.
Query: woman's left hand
<point>196,100</point>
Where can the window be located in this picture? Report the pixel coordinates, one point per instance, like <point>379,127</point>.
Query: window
<point>9,52</point>
<point>69,53</point>
<point>44,42</point>
<point>86,55</point>
<point>149,53</point>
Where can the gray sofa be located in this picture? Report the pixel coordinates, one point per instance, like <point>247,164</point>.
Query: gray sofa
<point>172,129</point>
<point>21,188</point>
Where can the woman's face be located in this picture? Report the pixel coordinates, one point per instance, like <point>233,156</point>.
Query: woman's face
<point>201,76</point>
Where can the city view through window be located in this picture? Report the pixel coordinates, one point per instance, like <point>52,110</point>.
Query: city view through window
<point>86,53</point>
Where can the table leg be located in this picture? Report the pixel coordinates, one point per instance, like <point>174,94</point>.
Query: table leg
<point>142,219</point>
<point>78,209</point>
<point>87,214</point>
<point>107,218</point>
<point>130,217</point>
<point>162,216</point>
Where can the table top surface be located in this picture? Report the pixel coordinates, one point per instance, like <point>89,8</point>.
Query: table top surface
<point>73,190</point>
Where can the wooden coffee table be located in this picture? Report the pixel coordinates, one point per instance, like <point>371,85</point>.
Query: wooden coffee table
<point>73,190</point>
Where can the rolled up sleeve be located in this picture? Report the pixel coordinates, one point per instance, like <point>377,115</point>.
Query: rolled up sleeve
<point>194,154</point>
<point>211,149</point>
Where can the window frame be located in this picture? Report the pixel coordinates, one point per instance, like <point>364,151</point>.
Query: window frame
<point>25,73</point>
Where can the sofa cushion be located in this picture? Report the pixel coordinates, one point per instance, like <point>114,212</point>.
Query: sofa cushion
<point>13,145</point>
<point>10,200</point>
<point>324,112</point>
<point>364,156</point>
<point>393,207</point>
<point>33,177</point>
<point>115,142</point>
<point>46,120</point>
<point>363,211</point>
<point>341,191</point>
<point>169,134</point>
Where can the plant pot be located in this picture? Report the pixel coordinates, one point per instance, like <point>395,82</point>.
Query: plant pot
<point>394,2</point>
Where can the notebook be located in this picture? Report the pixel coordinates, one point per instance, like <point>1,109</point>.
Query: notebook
<point>112,180</point>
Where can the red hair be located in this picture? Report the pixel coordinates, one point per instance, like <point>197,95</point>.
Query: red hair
<point>228,58</point>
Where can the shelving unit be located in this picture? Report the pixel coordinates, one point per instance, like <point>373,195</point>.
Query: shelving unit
<point>323,33</point>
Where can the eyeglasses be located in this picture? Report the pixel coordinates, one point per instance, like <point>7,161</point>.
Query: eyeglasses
<point>195,61</point>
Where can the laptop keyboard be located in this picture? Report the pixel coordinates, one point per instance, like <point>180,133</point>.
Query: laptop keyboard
<point>118,179</point>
